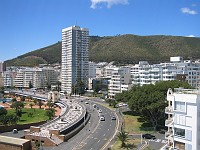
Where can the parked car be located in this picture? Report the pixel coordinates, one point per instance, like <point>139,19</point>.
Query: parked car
<point>100,111</point>
<point>113,118</point>
<point>148,136</point>
<point>15,131</point>
<point>102,118</point>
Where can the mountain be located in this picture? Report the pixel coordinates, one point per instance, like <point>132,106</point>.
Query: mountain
<point>121,49</point>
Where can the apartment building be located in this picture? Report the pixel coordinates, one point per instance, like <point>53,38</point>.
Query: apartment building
<point>92,70</point>
<point>183,122</point>
<point>74,57</point>
<point>24,77</point>
<point>120,81</point>
<point>8,77</point>
<point>177,68</point>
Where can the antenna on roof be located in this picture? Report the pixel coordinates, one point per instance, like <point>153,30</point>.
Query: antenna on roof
<point>76,23</point>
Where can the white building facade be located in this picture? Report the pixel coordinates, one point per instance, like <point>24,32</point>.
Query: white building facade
<point>183,121</point>
<point>24,77</point>
<point>75,57</point>
<point>120,81</point>
<point>144,73</point>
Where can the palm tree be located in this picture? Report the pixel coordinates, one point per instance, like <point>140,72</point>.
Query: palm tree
<point>123,137</point>
<point>40,103</point>
<point>31,105</point>
<point>49,104</point>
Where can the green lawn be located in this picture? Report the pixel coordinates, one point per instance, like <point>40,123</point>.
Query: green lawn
<point>38,115</point>
<point>132,125</point>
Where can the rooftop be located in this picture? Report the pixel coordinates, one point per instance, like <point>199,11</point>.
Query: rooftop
<point>12,140</point>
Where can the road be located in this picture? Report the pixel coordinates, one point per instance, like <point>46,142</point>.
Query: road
<point>96,135</point>
<point>102,134</point>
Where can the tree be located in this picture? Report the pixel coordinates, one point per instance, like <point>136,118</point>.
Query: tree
<point>17,105</point>
<point>22,98</point>
<point>14,100</point>
<point>35,101</point>
<point>79,87</point>
<point>31,105</point>
<point>50,113</point>
<point>19,113</point>
<point>58,87</point>
<point>3,111</point>
<point>9,119</point>
<point>123,137</point>
<point>40,103</point>
<point>30,85</point>
<point>29,97</point>
<point>149,100</point>
<point>50,104</point>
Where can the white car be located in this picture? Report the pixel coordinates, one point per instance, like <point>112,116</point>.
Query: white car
<point>102,118</point>
<point>100,111</point>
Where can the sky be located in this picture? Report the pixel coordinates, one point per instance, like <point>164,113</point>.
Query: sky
<point>27,25</point>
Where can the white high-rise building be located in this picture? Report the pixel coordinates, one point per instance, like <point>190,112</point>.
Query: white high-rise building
<point>183,120</point>
<point>74,57</point>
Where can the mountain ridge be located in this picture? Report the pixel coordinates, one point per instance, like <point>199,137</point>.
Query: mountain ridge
<point>123,49</point>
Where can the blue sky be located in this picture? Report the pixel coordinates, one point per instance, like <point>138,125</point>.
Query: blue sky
<point>27,25</point>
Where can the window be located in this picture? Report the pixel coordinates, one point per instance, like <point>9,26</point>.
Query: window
<point>179,106</point>
<point>188,135</point>
<point>179,132</point>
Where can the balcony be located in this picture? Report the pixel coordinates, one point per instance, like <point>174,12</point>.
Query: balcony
<point>169,110</point>
<point>168,122</point>
<point>169,135</point>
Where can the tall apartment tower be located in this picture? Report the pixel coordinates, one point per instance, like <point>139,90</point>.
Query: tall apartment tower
<point>74,57</point>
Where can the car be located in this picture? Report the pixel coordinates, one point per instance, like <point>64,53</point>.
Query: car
<point>125,104</point>
<point>102,118</point>
<point>94,105</point>
<point>120,104</point>
<point>86,103</point>
<point>100,111</point>
<point>148,136</point>
<point>15,131</point>
<point>113,118</point>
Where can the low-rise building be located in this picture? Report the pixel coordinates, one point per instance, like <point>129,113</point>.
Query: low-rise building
<point>11,143</point>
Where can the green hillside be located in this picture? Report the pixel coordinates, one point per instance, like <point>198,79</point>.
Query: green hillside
<point>121,49</point>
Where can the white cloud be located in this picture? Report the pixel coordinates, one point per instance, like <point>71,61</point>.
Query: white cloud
<point>190,35</point>
<point>186,10</point>
<point>194,5</point>
<point>109,3</point>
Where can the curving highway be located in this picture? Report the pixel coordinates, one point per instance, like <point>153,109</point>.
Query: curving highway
<point>102,134</point>
<point>96,135</point>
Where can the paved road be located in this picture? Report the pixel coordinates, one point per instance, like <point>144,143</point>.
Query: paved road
<point>154,144</point>
<point>95,135</point>
<point>102,134</point>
